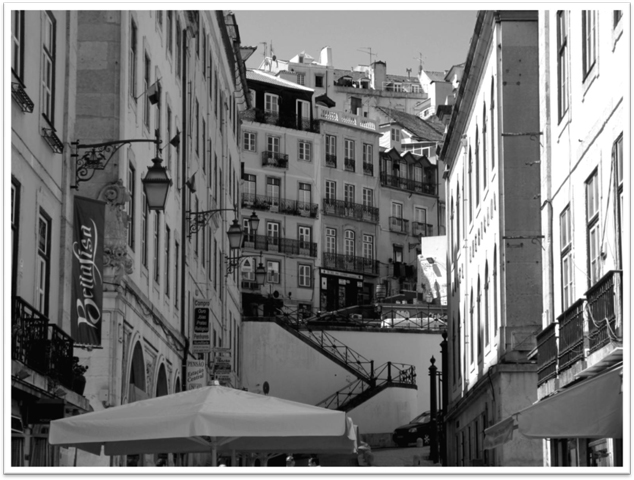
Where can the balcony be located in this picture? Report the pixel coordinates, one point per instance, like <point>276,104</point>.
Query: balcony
<point>281,120</point>
<point>250,285</point>
<point>280,205</point>
<point>406,184</point>
<point>355,211</point>
<point>351,263</point>
<point>40,345</point>
<point>547,354</point>
<point>331,161</point>
<point>368,169</point>
<point>399,225</point>
<point>348,164</point>
<point>18,92</point>
<point>604,306</point>
<point>571,348</point>
<point>347,119</point>
<point>281,245</point>
<point>422,229</point>
<point>274,159</point>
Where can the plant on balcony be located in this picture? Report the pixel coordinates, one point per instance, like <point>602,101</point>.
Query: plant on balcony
<point>79,379</point>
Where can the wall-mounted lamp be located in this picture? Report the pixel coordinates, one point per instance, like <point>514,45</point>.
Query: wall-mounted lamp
<point>260,271</point>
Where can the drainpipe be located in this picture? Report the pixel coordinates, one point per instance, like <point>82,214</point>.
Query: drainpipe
<point>184,210</point>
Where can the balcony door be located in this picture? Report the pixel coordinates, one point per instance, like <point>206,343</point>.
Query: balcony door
<point>273,187</point>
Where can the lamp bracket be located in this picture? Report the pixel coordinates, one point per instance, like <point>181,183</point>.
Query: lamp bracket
<point>96,156</point>
<point>197,220</point>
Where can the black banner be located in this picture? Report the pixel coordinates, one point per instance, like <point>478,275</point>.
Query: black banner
<point>87,291</point>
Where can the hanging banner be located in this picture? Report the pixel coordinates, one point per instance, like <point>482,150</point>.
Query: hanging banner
<point>87,268</point>
<point>196,374</point>
<point>201,341</point>
<point>432,271</point>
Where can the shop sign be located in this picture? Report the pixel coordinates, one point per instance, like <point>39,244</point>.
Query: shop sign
<point>196,374</point>
<point>201,341</point>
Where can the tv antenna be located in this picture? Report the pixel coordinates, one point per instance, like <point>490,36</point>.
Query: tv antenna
<point>264,52</point>
<point>367,50</point>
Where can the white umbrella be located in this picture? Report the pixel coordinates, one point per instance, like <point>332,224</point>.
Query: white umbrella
<point>197,420</point>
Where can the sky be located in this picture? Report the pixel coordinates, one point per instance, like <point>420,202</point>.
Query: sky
<point>397,37</point>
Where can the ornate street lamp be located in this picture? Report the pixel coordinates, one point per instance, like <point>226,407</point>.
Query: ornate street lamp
<point>156,184</point>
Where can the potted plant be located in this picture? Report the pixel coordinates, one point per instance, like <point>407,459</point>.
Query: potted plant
<point>79,379</point>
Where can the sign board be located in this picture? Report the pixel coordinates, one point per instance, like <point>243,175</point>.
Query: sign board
<point>201,341</point>
<point>196,374</point>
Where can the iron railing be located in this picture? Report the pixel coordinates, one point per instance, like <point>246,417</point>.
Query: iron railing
<point>399,225</point>
<point>422,229</point>
<point>39,344</point>
<point>331,160</point>
<point>349,164</point>
<point>602,311</point>
<point>547,354</point>
<point>571,335</point>
<point>274,159</point>
<point>351,263</point>
<point>280,244</point>
<point>356,211</point>
<point>407,184</point>
<point>280,205</point>
<point>286,120</point>
<point>368,168</point>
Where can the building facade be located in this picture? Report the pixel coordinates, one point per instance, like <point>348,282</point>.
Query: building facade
<point>494,232</point>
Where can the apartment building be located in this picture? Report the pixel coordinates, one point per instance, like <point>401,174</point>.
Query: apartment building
<point>494,234</point>
<point>583,95</point>
<point>281,153</point>
<point>116,92</point>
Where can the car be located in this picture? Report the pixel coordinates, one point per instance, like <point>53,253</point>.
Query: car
<point>420,427</point>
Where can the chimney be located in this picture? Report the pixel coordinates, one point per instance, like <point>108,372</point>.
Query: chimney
<point>379,75</point>
<point>325,57</point>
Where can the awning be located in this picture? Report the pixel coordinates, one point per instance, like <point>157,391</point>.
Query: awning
<point>325,100</point>
<point>590,409</point>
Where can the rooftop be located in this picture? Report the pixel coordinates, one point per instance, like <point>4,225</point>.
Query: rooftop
<point>264,77</point>
<point>431,130</point>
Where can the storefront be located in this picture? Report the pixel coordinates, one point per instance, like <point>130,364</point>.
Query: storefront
<point>340,290</point>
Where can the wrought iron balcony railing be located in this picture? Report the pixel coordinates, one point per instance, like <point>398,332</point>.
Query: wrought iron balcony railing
<point>368,169</point>
<point>407,184</point>
<point>547,354</point>
<point>422,229</point>
<point>604,302</point>
<point>351,263</point>
<point>349,164</point>
<point>39,344</point>
<point>274,159</point>
<point>280,244</point>
<point>571,335</point>
<point>399,225</point>
<point>286,120</point>
<point>356,211</point>
<point>279,205</point>
<point>331,160</point>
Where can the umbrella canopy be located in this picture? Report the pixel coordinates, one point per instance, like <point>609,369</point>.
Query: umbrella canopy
<point>197,420</point>
<point>346,443</point>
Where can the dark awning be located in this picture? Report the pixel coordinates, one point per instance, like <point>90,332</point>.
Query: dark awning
<point>325,100</point>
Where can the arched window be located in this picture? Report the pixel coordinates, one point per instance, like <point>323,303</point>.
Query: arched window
<point>161,382</point>
<point>137,376</point>
<point>487,327</point>
<point>177,387</point>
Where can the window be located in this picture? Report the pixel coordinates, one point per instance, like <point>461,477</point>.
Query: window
<point>272,271</point>
<point>169,21</point>
<point>367,154</point>
<point>304,196</point>
<point>249,186</point>
<point>562,63</point>
<point>486,303</point>
<point>396,135</point>
<point>305,237</point>
<point>592,219</point>
<point>348,244</point>
<point>248,141</point>
<point>319,81</point>
<point>331,145</point>
<point>567,277</point>
<point>305,276</point>
<point>197,236</point>
<point>397,210</point>
<point>176,270</point>
<point>178,34</point>
<point>355,105</point>
<point>157,270</point>
<point>144,230</point>
<point>617,158</point>
<point>168,237</point>
<point>368,247</point>
<point>146,85</point>
<point>589,40</point>
<point>348,193</point>
<point>15,230</point>
<point>492,123</point>
<point>331,190</point>
<point>204,147</point>
<point>349,149</point>
<point>470,187</point>
<point>472,339</point>
<point>477,167</point>
<point>273,233</point>
<point>273,191</point>
<point>168,132</point>
<point>197,112</point>
<point>271,103</point>
<point>159,19</point>
<point>273,144</point>
<point>368,197</point>
<point>331,240</point>
<point>304,151</point>
<point>484,146</point>
<point>131,205</point>
<point>17,35</point>
<point>43,262</point>
<point>48,68</point>
<point>301,78</point>
<point>398,253</point>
